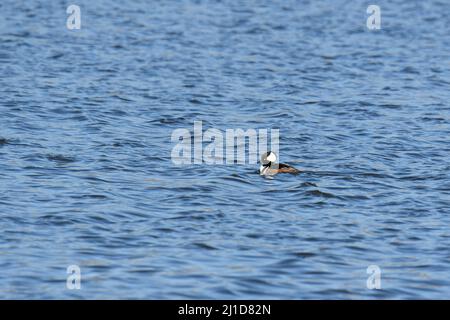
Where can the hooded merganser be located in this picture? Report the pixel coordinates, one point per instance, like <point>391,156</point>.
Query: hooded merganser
<point>269,166</point>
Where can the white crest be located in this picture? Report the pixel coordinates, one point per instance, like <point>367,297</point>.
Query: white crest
<point>272,157</point>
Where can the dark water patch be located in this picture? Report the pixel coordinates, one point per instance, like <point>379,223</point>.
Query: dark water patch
<point>65,110</point>
<point>145,271</point>
<point>195,101</point>
<point>165,230</point>
<point>318,193</point>
<point>304,255</point>
<point>204,246</point>
<point>410,70</point>
<point>90,196</point>
<point>95,179</point>
<point>3,141</point>
<point>58,220</point>
<point>134,144</point>
<point>300,187</point>
<point>237,178</point>
<point>60,158</point>
<point>171,120</point>
<point>121,98</point>
<point>56,55</point>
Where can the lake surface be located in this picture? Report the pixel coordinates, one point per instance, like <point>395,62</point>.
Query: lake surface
<point>86,177</point>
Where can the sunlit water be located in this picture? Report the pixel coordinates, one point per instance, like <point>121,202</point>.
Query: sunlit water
<point>86,176</point>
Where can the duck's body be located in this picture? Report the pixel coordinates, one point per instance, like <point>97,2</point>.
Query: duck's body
<point>269,167</point>
<point>277,168</point>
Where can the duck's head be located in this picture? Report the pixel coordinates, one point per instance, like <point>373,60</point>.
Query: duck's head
<point>268,158</point>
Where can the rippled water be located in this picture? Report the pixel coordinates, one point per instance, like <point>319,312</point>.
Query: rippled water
<point>86,176</point>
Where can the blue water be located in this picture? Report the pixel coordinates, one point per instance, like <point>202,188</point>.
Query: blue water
<point>86,176</point>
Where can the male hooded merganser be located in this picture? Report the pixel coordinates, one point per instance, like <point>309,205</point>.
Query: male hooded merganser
<point>269,166</point>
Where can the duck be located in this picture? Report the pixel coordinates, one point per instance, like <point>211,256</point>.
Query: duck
<point>269,167</point>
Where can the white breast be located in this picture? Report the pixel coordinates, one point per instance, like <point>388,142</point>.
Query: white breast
<point>266,171</point>
<point>262,170</point>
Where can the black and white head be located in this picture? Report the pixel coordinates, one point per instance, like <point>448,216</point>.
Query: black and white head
<point>268,158</point>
